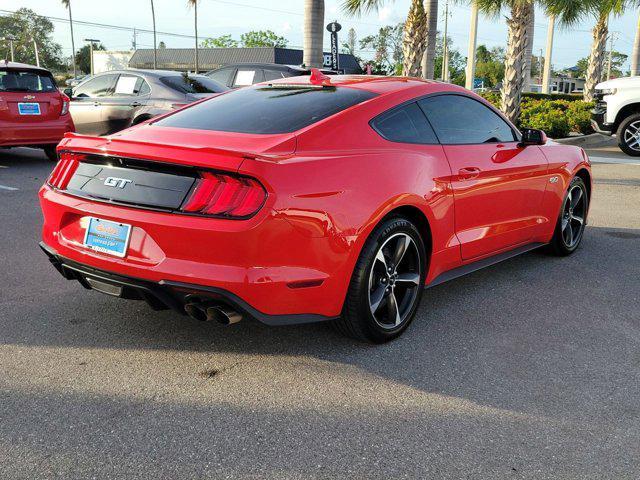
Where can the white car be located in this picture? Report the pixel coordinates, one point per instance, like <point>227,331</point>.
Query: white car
<point>617,112</point>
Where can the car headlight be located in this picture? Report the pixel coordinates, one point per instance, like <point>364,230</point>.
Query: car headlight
<point>607,91</point>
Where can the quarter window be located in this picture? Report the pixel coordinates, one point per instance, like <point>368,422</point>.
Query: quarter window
<point>129,85</point>
<point>462,120</point>
<point>406,124</point>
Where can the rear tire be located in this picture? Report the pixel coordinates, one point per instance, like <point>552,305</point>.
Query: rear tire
<point>387,283</point>
<point>50,152</point>
<point>572,219</point>
<point>629,135</point>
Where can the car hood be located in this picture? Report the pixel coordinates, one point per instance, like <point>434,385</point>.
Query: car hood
<point>623,82</point>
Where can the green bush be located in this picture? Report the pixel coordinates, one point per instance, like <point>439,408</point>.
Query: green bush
<point>556,114</point>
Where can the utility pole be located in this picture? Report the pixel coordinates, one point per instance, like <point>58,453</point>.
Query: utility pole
<point>35,47</point>
<point>445,50</point>
<point>155,43</point>
<point>135,35</point>
<point>10,39</point>
<point>611,40</point>
<point>540,68</point>
<point>91,42</point>
<point>546,76</point>
<point>471,53</point>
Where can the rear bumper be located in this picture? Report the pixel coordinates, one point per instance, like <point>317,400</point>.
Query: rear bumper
<point>168,294</point>
<point>14,134</point>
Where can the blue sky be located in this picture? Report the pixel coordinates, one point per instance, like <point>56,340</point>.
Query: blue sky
<point>218,17</point>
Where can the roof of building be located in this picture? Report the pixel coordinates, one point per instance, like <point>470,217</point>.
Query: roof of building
<point>210,58</point>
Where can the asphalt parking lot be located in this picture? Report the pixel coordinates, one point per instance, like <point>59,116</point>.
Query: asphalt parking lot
<point>528,369</point>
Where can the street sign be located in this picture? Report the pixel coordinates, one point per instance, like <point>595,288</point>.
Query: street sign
<point>478,83</point>
<point>334,27</point>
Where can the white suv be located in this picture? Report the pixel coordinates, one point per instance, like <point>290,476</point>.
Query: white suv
<point>617,112</point>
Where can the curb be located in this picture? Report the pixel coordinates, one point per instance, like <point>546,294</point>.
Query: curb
<point>589,141</point>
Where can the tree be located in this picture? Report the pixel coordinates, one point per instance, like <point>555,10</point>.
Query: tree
<point>415,31</point>
<point>67,4</point>
<point>224,41</point>
<point>194,4</point>
<point>350,45</point>
<point>83,57</point>
<point>387,44</point>
<point>25,25</point>
<point>162,45</point>
<point>313,33</point>
<point>428,58</point>
<point>601,9</point>
<point>456,60</point>
<point>635,54</point>
<point>262,38</point>
<point>618,59</point>
<point>490,65</point>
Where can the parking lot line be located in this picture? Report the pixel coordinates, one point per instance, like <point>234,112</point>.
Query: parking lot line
<point>11,189</point>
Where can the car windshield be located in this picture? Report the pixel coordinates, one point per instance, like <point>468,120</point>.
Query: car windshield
<point>26,81</point>
<point>193,84</point>
<point>267,109</point>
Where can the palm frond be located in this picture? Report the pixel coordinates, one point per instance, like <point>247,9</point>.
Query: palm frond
<point>358,7</point>
<point>568,12</point>
<point>65,3</point>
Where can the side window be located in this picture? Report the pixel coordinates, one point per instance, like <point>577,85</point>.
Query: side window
<point>131,85</point>
<point>272,75</point>
<point>221,76</point>
<point>406,124</point>
<point>463,120</point>
<point>246,77</point>
<point>100,86</point>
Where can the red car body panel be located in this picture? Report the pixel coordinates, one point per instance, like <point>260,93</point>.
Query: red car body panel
<point>48,128</point>
<point>328,185</point>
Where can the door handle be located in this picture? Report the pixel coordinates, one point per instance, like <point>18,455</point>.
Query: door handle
<point>136,104</point>
<point>96,104</point>
<point>468,173</point>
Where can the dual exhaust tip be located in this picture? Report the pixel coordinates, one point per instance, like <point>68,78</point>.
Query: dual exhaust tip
<point>210,313</point>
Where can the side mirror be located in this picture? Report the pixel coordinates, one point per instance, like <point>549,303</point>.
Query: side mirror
<point>532,136</point>
<point>68,92</point>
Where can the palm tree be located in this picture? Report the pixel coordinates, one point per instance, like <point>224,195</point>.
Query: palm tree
<point>635,55</point>
<point>429,57</point>
<point>194,4</point>
<point>529,51</point>
<point>67,4</point>
<point>414,36</point>
<point>602,9</point>
<point>155,45</point>
<point>313,33</point>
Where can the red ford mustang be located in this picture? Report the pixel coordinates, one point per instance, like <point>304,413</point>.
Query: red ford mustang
<point>309,199</point>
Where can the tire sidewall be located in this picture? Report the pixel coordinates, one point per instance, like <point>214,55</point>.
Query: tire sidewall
<point>558,239</point>
<point>384,231</point>
<point>620,134</point>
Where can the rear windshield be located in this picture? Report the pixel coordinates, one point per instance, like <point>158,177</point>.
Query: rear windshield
<point>266,109</point>
<point>193,84</point>
<point>26,81</point>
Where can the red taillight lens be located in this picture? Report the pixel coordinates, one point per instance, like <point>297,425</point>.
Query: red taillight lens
<point>65,105</point>
<point>64,170</point>
<point>218,194</point>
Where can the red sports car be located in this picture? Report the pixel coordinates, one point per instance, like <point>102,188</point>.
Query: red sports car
<point>33,112</point>
<point>309,199</point>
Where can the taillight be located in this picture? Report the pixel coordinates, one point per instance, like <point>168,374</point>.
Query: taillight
<point>64,170</point>
<point>220,194</point>
<point>65,105</point>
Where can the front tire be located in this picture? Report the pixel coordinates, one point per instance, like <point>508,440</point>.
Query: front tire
<point>629,135</point>
<point>387,283</point>
<point>572,219</point>
<point>50,152</point>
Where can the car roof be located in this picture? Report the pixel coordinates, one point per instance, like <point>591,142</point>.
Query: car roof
<point>21,66</point>
<point>149,73</point>
<point>376,84</point>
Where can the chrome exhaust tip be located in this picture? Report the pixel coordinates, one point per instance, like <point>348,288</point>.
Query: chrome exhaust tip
<point>196,311</point>
<point>223,315</point>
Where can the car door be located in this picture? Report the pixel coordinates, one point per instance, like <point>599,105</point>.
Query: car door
<point>86,102</point>
<point>130,94</point>
<point>498,185</point>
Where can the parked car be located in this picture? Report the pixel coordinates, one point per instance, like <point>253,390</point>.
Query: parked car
<point>111,101</point>
<point>310,199</point>
<point>617,112</point>
<point>75,81</point>
<point>244,74</point>
<point>33,112</point>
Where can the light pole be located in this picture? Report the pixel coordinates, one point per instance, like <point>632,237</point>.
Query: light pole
<point>35,47</point>
<point>10,39</point>
<point>91,42</point>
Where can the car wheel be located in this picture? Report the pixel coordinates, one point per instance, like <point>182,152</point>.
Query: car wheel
<point>629,135</point>
<point>50,152</point>
<point>387,283</point>
<point>572,219</point>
